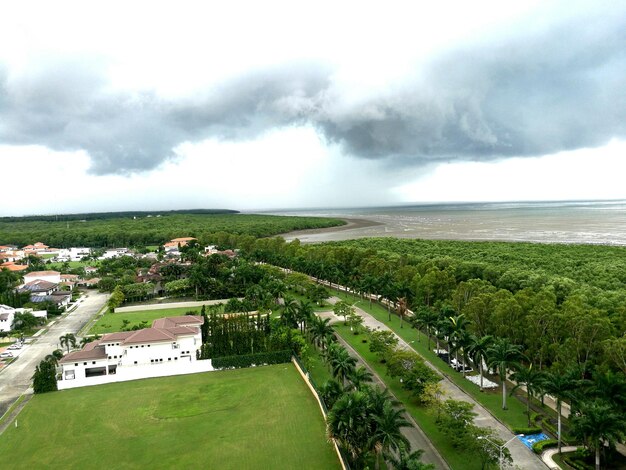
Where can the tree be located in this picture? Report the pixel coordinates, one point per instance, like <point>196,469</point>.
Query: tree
<point>343,309</point>
<point>356,322</point>
<point>117,298</point>
<point>530,378</point>
<point>349,424</point>
<point>477,349</point>
<point>387,435</point>
<point>25,321</point>
<point>68,340</point>
<point>330,391</point>
<point>342,364</point>
<point>408,461</point>
<point>383,342</point>
<point>44,378</point>
<point>503,355</point>
<point>320,329</point>
<point>360,377</point>
<point>598,422</point>
<point>560,386</point>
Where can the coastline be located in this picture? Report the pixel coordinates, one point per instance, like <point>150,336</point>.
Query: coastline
<point>351,224</point>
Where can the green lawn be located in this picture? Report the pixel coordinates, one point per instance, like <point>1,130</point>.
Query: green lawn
<point>73,264</point>
<point>112,322</point>
<point>254,418</point>
<point>514,416</point>
<point>318,370</point>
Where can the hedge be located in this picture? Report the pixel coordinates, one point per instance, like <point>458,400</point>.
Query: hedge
<point>539,447</point>
<point>565,438</point>
<point>264,358</point>
<point>527,431</point>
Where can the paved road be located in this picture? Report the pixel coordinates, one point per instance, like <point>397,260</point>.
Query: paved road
<point>15,379</point>
<point>522,456</point>
<point>415,435</point>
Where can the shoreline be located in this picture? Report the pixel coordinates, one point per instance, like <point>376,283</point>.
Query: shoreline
<point>351,224</point>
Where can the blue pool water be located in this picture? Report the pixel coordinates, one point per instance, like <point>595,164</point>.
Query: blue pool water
<point>530,439</point>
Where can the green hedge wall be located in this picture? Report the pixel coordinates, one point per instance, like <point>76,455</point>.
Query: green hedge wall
<point>265,358</point>
<point>539,447</point>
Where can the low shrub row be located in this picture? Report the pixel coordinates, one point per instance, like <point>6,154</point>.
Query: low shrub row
<point>527,431</point>
<point>539,447</point>
<point>547,425</point>
<point>248,360</point>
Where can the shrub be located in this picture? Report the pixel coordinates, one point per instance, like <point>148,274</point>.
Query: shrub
<point>539,447</point>
<point>265,358</point>
<point>527,431</point>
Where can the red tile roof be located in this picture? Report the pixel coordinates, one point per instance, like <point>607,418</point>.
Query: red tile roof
<point>172,322</point>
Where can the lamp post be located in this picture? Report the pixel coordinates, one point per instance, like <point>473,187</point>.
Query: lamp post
<point>499,447</point>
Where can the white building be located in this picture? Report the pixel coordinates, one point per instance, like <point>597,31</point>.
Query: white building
<point>171,343</point>
<point>115,252</point>
<point>6,317</point>
<point>49,276</point>
<point>73,254</point>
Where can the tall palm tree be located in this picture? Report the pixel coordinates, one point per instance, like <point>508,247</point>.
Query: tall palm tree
<point>530,378</point>
<point>360,377</point>
<point>402,308</point>
<point>560,386</point>
<point>68,340</point>
<point>304,314</point>
<point>319,329</point>
<point>290,310</point>
<point>387,435</point>
<point>52,359</point>
<point>330,391</point>
<point>477,349</point>
<point>503,355</point>
<point>458,335</point>
<point>598,422</point>
<point>348,423</point>
<point>342,364</point>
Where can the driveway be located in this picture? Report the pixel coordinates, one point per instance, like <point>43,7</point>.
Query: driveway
<point>16,378</point>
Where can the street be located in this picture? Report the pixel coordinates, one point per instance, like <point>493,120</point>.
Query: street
<point>16,378</point>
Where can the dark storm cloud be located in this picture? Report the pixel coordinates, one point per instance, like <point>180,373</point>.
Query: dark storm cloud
<point>533,94</point>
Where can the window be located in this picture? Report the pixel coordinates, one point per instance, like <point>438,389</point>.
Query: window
<point>142,345</point>
<point>169,358</point>
<point>135,362</point>
<point>76,363</point>
<point>176,359</point>
<point>93,362</point>
<point>110,357</point>
<point>148,345</point>
<point>84,363</point>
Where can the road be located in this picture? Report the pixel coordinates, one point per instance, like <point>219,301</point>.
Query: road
<point>521,455</point>
<point>16,378</point>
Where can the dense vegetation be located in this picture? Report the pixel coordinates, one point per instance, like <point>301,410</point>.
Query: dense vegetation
<point>110,215</point>
<point>142,231</point>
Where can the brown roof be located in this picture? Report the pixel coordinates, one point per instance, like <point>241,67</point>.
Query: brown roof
<point>69,277</point>
<point>183,239</point>
<point>14,267</point>
<point>183,330</point>
<point>122,335</point>
<point>96,352</point>
<point>172,322</point>
<point>42,273</point>
<point>39,285</point>
<point>149,335</point>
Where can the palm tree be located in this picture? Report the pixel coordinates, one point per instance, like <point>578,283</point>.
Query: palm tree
<point>477,350</point>
<point>304,313</point>
<point>68,340</point>
<point>598,422</point>
<point>503,355</point>
<point>342,364</point>
<point>408,461</point>
<point>402,308</point>
<point>459,336</point>
<point>320,328</point>
<point>359,377</point>
<point>560,386</point>
<point>330,391</point>
<point>430,319</point>
<point>529,378</point>
<point>387,435</point>
<point>610,386</point>
<point>290,311</point>
<point>52,359</point>
<point>348,423</point>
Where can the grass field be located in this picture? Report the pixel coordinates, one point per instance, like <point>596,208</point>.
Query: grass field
<point>255,418</point>
<point>112,322</point>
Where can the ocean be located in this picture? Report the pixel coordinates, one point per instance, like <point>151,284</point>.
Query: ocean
<point>586,222</point>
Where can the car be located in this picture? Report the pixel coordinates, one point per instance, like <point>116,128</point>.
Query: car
<point>14,346</point>
<point>6,354</point>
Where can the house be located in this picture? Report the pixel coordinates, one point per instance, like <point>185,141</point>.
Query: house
<point>11,266</point>
<point>59,298</point>
<point>115,252</point>
<point>93,282</point>
<point>6,318</point>
<point>90,270</point>
<point>39,287</point>
<point>171,343</point>
<point>50,276</point>
<point>69,280</point>
<point>182,241</point>
<point>73,254</point>
<point>36,248</point>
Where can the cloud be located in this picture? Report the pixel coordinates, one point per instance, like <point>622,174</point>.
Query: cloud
<point>527,93</point>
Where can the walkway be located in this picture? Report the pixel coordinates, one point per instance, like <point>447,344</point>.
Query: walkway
<point>521,455</point>
<point>548,454</point>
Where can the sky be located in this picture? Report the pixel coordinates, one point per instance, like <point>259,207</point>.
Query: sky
<point>268,105</point>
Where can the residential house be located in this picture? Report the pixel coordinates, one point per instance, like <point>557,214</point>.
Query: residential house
<point>115,252</point>
<point>73,254</point>
<point>6,318</point>
<point>11,266</point>
<point>170,341</point>
<point>38,288</point>
<point>50,276</point>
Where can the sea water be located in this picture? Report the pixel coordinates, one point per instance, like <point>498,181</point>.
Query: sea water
<point>588,222</point>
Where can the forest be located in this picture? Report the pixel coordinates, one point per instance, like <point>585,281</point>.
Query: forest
<point>139,231</point>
